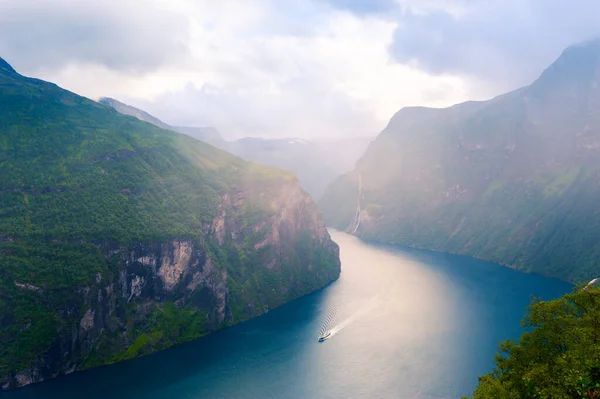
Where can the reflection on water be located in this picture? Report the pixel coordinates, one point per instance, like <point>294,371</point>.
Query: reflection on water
<point>404,323</point>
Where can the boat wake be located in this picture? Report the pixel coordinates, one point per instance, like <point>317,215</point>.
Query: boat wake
<point>329,322</point>
<point>355,316</point>
<point>330,328</point>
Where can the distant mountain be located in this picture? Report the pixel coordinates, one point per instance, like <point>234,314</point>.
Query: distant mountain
<point>207,134</point>
<point>119,238</point>
<point>132,111</point>
<point>316,163</point>
<point>515,180</point>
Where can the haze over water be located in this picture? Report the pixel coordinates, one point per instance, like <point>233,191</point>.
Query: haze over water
<point>405,324</point>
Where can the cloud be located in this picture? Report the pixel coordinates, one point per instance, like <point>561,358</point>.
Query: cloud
<point>281,85</point>
<point>338,83</point>
<point>305,68</point>
<point>506,43</point>
<point>136,37</point>
<point>314,111</point>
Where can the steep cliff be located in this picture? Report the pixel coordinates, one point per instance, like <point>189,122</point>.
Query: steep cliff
<point>514,180</point>
<point>118,238</point>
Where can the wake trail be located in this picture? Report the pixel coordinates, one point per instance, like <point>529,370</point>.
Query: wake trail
<point>329,320</point>
<point>356,315</point>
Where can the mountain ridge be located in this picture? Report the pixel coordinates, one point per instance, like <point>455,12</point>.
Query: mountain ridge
<point>6,66</point>
<point>209,135</point>
<point>132,111</point>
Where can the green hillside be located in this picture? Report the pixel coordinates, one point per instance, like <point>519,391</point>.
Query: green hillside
<point>118,238</point>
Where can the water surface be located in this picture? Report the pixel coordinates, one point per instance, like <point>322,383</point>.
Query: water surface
<point>405,324</point>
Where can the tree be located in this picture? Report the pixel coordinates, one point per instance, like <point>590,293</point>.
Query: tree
<point>558,357</point>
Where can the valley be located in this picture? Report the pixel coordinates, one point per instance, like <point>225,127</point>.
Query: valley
<point>245,234</point>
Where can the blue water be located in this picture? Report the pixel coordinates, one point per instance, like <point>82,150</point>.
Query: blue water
<point>406,324</point>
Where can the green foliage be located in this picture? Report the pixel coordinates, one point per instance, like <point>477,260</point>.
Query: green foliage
<point>562,181</point>
<point>85,171</point>
<point>28,327</point>
<point>166,326</point>
<point>557,358</point>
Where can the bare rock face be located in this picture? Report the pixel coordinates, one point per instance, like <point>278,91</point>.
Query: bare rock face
<point>175,262</point>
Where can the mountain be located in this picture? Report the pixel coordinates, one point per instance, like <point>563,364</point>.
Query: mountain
<point>207,134</point>
<point>514,180</point>
<point>119,238</point>
<point>5,67</point>
<point>316,164</point>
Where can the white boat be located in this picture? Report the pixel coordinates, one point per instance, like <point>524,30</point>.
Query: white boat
<point>324,336</point>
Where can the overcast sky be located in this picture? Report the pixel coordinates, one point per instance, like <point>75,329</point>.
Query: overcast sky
<point>303,68</point>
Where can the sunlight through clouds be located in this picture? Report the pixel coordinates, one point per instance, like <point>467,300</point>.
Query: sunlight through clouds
<point>334,67</point>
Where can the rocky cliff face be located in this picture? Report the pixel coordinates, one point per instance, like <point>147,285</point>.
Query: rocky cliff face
<point>164,293</point>
<point>118,238</point>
